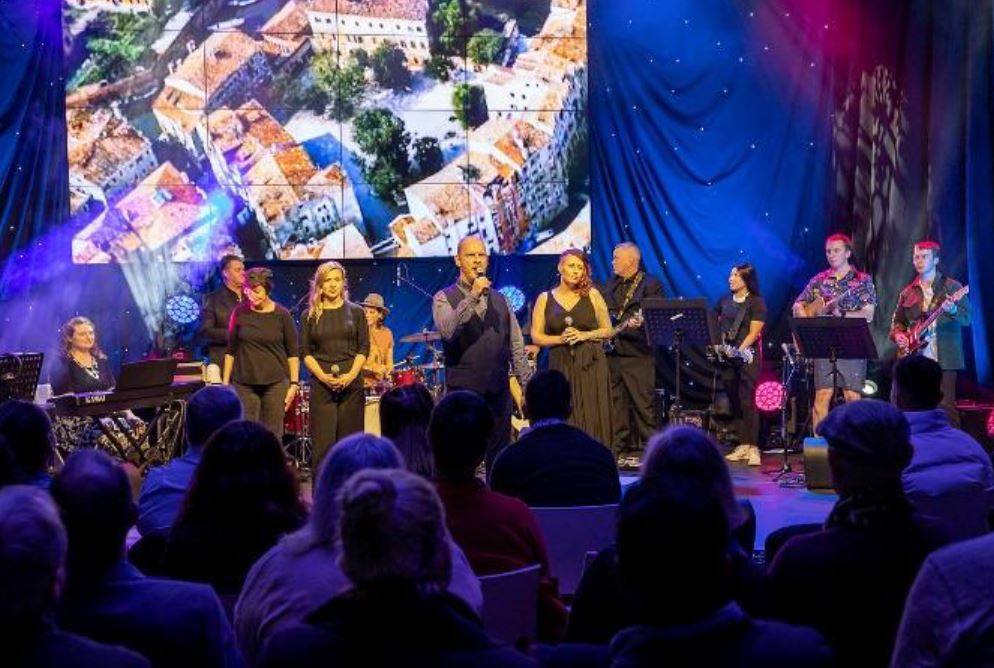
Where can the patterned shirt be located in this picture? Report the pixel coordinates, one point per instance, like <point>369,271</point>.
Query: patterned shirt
<point>856,287</point>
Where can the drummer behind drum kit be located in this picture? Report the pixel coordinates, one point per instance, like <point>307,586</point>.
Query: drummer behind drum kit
<point>296,422</point>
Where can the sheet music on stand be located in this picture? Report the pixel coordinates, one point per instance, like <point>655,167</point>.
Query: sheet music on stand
<point>679,322</point>
<point>19,374</point>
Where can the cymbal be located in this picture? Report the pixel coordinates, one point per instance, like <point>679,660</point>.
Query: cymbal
<point>421,337</point>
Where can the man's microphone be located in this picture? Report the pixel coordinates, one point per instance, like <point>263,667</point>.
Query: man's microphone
<point>482,274</point>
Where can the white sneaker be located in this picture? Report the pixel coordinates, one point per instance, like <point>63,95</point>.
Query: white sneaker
<point>752,456</point>
<point>738,454</point>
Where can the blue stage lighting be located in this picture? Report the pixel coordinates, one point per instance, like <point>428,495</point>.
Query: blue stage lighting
<point>182,309</point>
<point>515,297</point>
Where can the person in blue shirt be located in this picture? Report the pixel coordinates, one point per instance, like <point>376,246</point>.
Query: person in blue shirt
<point>165,486</point>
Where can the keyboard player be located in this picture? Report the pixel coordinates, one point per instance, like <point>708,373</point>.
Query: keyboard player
<point>83,367</point>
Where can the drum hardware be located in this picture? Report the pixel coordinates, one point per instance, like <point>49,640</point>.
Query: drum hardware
<point>297,423</point>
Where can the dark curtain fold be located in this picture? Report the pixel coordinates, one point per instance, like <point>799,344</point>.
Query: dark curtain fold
<point>913,148</point>
<point>34,193</point>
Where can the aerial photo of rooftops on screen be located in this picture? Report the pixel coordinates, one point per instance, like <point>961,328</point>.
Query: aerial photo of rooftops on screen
<point>307,129</point>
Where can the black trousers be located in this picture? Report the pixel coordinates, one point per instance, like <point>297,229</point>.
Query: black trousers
<point>500,405</point>
<point>333,416</point>
<point>740,385</point>
<point>264,403</point>
<point>633,381</point>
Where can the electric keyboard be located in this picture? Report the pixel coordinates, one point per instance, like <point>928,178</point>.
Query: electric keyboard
<point>96,404</point>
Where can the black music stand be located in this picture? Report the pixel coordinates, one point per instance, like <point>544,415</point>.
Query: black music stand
<point>19,374</point>
<point>834,339</point>
<point>675,322</point>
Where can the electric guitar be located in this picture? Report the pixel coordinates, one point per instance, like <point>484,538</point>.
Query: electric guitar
<point>725,353</point>
<point>918,334</point>
<point>634,322</point>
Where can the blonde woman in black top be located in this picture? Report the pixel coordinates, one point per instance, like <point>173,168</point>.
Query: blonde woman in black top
<point>334,342</point>
<point>261,362</point>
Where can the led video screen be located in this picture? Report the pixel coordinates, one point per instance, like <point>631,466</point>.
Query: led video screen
<point>308,129</point>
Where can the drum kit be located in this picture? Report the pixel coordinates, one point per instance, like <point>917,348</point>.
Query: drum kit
<point>296,422</point>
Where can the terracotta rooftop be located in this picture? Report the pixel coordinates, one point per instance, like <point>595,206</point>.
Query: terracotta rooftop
<point>221,55</point>
<point>411,10</point>
<point>98,141</point>
<point>162,207</point>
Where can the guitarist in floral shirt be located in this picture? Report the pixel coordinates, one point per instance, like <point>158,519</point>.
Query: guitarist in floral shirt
<point>943,342</point>
<point>842,291</point>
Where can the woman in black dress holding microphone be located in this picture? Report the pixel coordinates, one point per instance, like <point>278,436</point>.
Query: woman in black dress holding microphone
<point>334,342</point>
<point>572,320</point>
<point>261,362</point>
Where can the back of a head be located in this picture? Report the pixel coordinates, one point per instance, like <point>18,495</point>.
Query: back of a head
<point>94,497</point>
<point>208,410</point>
<point>548,395</point>
<point>32,553</point>
<point>242,473</point>
<point>690,452</point>
<point>869,444</point>
<point>354,453</point>
<point>917,383</point>
<point>673,541</point>
<point>459,429</point>
<point>392,529</point>
<point>404,415</point>
<point>28,433</point>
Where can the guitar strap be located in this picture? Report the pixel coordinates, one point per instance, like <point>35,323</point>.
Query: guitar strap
<point>734,329</point>
<point>629,294</point>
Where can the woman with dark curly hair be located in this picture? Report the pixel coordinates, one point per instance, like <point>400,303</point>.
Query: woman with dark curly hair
<point>244,497</point>
<point>261,361</point>
<point>572,320</point>
<point>83,367</point>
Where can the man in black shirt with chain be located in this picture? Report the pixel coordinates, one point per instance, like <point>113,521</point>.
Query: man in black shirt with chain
<point>216,312</point>
<point>631,360</point>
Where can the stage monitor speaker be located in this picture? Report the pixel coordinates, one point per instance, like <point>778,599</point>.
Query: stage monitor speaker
<point>816,472</point>
<point>973,420</point>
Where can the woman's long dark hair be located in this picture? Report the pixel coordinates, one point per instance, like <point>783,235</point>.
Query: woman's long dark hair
<point>243,479</point>
<point>748,274</point>
<point>404,415</point>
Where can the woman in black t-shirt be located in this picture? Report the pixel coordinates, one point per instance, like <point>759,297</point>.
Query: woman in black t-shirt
<point>334,342</point>
<point>261,362</point>
<point>741,316</point>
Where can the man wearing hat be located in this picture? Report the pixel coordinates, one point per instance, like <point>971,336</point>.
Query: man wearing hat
<point>850,579</point>
<point>379,364</point>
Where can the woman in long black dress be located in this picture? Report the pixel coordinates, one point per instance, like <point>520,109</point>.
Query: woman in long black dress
<point>334,341</point>
<point>572,321</point>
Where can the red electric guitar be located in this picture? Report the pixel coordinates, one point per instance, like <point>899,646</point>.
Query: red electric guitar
<point>917,333</point>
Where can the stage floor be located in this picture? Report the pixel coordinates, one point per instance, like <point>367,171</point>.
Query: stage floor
<point>775,506</point>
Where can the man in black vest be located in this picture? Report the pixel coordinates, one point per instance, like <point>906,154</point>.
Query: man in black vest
<point>631,359</point>
<point>482,340</point>
<point>216,312</point>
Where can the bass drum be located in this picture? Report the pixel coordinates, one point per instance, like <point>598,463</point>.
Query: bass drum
<point>372,416</point>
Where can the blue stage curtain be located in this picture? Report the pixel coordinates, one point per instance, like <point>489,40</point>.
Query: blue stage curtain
<point>725,131</point>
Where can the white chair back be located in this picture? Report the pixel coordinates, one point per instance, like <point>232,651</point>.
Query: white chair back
<point>572,532</point>
<point>510,605</point>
